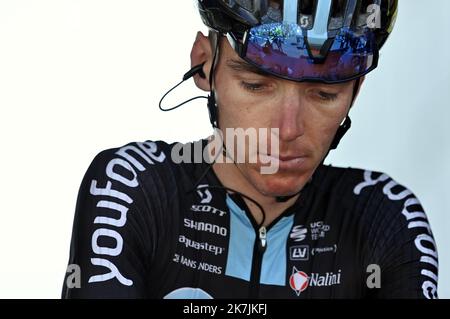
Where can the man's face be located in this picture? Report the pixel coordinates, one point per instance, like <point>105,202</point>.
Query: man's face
<point>306,114</point>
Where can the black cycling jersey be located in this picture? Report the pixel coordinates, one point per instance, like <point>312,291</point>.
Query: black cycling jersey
<point>145,228</point>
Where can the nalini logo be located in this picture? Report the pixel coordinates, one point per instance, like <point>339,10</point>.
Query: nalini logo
<point>298,233</point>
<point>298,281</point>
<point>204,193</point>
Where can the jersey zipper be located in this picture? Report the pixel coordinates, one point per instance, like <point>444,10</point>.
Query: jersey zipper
<point>258,253</point>
<point>259,248</point>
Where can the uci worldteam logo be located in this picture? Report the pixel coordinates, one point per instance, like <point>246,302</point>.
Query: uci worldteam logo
<point>298,281</point>
<point>298,233</point>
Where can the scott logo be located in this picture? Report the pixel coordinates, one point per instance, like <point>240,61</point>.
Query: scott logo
<point>204,194</point>
<point>298,233</point>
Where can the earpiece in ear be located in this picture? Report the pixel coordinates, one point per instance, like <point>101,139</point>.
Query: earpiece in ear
<point>201,73</point>
<point>198,69</point>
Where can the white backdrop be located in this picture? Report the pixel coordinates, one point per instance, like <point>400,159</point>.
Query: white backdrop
<point>77,77</point>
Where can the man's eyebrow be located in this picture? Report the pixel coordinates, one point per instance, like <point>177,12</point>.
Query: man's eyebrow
<point>242,66</point>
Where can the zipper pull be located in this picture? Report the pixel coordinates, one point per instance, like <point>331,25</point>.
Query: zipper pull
<point>262,239</point>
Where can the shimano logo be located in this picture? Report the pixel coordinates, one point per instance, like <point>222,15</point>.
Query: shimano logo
<point>206,227</point>
<point>298,233</point>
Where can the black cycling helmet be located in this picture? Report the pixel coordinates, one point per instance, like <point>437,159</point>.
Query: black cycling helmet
<point>329,41</point>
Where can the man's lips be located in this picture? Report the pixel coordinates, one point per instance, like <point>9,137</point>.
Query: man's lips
<point>289,157</point>
<point>285,162</point>
<point>283,158</point>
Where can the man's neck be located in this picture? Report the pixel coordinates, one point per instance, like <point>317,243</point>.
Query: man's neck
<point>230,176</point>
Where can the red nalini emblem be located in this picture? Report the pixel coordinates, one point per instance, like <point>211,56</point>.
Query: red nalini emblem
<point>298,281</point>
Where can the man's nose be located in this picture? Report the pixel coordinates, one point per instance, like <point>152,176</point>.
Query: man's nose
<point>291,115</point>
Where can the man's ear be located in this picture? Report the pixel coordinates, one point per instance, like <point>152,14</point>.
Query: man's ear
<point>202,53</point>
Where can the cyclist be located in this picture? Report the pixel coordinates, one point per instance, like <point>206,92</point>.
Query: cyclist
<point>149,225</point>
